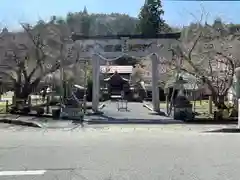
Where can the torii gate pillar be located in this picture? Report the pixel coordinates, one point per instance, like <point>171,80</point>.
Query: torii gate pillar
<point>155,85</point>
<point>96,82</point>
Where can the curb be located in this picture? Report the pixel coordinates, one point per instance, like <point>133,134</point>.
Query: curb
<point>94,113</point>
<point>20,122</point>
<point>225,130</point>
<point>213,122</point>
<point>130,122</point>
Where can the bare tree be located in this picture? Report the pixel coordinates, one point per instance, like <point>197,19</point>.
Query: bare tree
<point>28,56</point>
<point>206,54</point>
<point>137,80</point>
<point>106,70</point>
<point>137,74</point>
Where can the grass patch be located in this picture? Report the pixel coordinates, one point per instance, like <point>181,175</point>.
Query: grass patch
<point>2,107</point>
<point>201,107</point>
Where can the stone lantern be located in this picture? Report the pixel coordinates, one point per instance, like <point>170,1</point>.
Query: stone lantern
<point>182,106</point>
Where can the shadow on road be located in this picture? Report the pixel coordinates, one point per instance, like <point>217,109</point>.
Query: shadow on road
<point>224,130</point>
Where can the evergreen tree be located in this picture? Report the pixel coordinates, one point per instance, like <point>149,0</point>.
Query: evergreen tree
<point>85,22</point>
<point>150,17</point>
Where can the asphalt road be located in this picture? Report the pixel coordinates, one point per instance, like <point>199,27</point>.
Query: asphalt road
<point>169,152</point>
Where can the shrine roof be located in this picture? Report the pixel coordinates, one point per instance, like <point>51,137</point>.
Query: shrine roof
<point>119,69</point>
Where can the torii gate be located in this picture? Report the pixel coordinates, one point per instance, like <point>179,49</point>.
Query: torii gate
<point>112,47</point>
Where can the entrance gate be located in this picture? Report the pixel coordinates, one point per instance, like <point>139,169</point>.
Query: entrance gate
<point>110,48</point>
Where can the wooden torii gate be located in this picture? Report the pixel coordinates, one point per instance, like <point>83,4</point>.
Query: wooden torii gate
<point>113,47</point>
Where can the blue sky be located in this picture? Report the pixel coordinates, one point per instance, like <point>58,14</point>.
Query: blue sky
<point>177,13</point>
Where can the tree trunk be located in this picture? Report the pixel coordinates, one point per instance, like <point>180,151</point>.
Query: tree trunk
<point>21,93</point>
<point>210,104</point>
<point>220,104</point>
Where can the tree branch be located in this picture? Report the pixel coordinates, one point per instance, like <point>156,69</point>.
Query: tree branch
<point>232,66</point>
<point>38,45</point>
<point>38,65</point>
<point>8,75</point>
<point>53,69</point>
<point>194,45</point>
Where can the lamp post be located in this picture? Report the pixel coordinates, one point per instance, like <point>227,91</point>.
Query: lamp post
<point>85,87</point>
<point>64,42</point>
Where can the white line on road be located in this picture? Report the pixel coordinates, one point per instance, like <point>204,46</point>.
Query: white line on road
<point>22,173</point>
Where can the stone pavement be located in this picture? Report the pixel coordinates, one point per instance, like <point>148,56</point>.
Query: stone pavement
<point>43,122</point>
<point>136,113</point>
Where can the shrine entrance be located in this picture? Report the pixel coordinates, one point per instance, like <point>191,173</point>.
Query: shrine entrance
<point>116,84</point>
<point>110,48</point>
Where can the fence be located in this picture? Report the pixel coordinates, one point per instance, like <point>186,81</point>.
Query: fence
<point>6,101</point>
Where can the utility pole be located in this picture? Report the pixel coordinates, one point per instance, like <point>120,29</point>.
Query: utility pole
<point>61,76</point>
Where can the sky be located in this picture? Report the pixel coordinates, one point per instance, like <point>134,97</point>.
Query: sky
<point>177,13</point>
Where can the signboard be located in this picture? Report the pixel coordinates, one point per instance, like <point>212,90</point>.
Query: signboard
<point>72,113</point>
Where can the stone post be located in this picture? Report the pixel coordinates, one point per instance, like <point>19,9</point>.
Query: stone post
<point>166,92</point>
<point>237,89</point>
<point>48,106</point>
<point>14,99</point>
<point>155,85</point>
<point>29,100</point>
<point>96,82</point>
<point>237,72</point>
<point>238,126</point>
<point>7,106</point>
<point>210,104</point>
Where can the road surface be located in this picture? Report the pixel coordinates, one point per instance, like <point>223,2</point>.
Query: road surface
<point>169,152</point>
